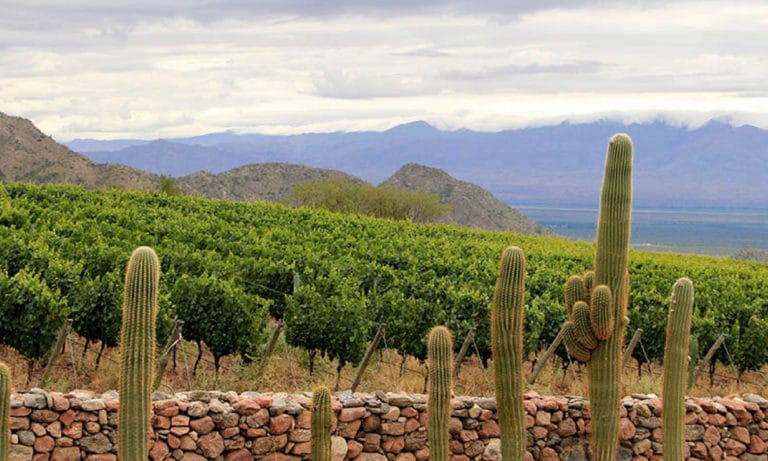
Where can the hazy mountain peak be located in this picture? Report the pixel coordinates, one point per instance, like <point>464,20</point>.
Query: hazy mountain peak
<point>413,128</point>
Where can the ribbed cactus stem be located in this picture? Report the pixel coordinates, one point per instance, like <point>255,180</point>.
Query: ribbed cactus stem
<point>439,355</point>
<point>610,268</point>
<point>137,354</point>
<point>322,414</point>
<point>573,345</point>
<point>575,291</point>
<point>675,369</point>
<point>583,326</point>
<point>5,411</point>
<point>601,313</point>
<point>507,315</point>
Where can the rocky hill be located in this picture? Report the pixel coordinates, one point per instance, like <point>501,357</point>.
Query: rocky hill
<point>29,155</point>
<point>472,205</point>
<point>260,181</point>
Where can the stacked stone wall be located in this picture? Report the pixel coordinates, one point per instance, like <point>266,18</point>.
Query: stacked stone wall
<point>200,426</point>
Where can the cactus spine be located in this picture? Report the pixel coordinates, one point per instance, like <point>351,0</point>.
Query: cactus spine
<point>675,369</point>
<point>321,424</point>
<point>439,352</point>
<point>607,301</point>
<point>5,411</point>
<point>507,344</point>
<point>137,354</point>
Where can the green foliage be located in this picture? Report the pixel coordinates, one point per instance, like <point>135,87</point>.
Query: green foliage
<point>219,313</point>
<point>37,313</point>
<point>322,416</point>
<point>169,186</point>
<point>751,350</point>
<point>423,275</point>
<point>137,353</point>
<point>439,352</point>
<point>328,316</point>
<point>96,309</point>
<point>380,202</point>
<point>678,336</point>
<point>5,410</point>
<point>507,317</point>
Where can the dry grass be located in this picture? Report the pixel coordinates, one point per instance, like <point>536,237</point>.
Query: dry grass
<point>287,370</point>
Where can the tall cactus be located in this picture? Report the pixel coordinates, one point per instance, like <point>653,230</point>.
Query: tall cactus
<point>507,345</point>
<point>607,301</point>
<point>137,354</point>
<point>439,351</point>
<point>321,423</point>
<point>675,369</point>
<point>5,411</point>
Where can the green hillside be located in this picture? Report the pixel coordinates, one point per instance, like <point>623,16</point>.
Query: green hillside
<point>334,278</point>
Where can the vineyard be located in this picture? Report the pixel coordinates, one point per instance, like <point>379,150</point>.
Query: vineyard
<point>227,267</point>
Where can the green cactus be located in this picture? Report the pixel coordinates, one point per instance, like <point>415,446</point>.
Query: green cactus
<point>439,351</point>
<point>321,423</point>
<point>675,369</point>
<point>137,354</point>
<point>5,411</point>
<point>507,344</point>
<point>600,313</point>
<point>607,301</point>
<point>582,326</point>
<point>575,291</point>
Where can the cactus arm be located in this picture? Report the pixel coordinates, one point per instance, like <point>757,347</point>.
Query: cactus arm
<point>439,354</point>
<point>675,369</point>
<point>582,326</point>
<point>575,291</point>
<point>601,313</point>
<point>321,424</point>
<point>507,316</point>
<point>574,347</point>
<point>137,354</point>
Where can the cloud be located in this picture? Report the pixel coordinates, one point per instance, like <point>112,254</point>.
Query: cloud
<point>344,84</point>
<point>182,67</point>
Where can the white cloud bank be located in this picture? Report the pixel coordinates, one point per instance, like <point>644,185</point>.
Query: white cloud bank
<point>173,68</point>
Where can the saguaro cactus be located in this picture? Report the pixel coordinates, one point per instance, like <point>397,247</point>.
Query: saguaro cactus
<point>507,345</point>
<point>607,301</point>
<point>439,351</point>
<point>675,369</point>
<point>5,411</point>
<point>321,423</point>
<point>137,354</point>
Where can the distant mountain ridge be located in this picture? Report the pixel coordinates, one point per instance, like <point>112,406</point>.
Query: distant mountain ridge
<point>714,165</point>
<point>28,155</point>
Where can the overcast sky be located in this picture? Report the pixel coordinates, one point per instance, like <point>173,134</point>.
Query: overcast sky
<point>158,68</point>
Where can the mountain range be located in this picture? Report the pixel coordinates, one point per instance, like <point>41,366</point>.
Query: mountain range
<point>716,164</point>
<point>28,155</point>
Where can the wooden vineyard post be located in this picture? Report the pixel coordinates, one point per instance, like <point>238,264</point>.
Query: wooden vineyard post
<point>705,361</point>
<point>273,339</point>
<point>544,358</point>
<point>170,345</point>
<point>55,350</point>
<point>463,351</point>
<point>367,358</point>
<point>631,347</point>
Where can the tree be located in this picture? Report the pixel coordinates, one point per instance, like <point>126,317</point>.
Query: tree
<point>381,202</point>
<point>96,309</point>
<point>221,314</point>
<point>33,314</point>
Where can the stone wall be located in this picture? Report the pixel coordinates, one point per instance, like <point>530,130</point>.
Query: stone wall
<point>199,426</point>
